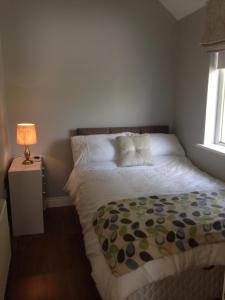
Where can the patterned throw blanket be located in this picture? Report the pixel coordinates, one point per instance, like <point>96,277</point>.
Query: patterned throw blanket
<point>135,231</point>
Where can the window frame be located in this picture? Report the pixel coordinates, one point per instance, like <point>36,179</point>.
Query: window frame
<point>213,116</point>
<point>220,107</point>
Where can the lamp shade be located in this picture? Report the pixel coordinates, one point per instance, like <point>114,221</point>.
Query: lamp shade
<point>26,134</point>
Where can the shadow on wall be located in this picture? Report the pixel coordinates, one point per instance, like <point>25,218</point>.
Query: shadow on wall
<point>58,161</point>
<point>4,149</point>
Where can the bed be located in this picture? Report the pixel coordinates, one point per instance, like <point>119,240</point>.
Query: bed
<point>197,273</point>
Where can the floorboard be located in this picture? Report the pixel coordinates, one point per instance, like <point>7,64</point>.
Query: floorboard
<point>52,266</point>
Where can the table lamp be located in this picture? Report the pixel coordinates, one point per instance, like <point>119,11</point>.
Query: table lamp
<point>26,135</point>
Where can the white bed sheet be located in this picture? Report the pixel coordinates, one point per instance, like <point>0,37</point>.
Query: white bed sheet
<point>95,184</point>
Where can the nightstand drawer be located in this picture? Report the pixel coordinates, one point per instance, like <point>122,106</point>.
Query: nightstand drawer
<point>43,185</point>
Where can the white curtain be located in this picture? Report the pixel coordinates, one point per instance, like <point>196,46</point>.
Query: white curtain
<point>214,36</point>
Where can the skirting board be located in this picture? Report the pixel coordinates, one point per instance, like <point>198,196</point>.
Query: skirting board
<point>58,201</point>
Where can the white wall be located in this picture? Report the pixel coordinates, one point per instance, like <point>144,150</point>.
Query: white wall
<point>192,84</point>
<point>85,63</point>
<point>3,131</point>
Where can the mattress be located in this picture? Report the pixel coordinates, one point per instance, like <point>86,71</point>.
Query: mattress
<point>196,284</point>
<point>94,184</point>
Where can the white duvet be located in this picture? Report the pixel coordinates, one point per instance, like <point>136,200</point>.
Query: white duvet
<point>94,184</point>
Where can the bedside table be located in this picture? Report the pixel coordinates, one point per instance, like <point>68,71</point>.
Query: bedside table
<point>26,187</point>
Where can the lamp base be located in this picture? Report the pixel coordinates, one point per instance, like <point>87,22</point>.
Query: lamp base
<point>28,162</point>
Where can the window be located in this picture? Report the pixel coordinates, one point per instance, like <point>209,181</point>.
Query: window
<point>223,121</point>
<point>215,110</point>
<point>220,114</point>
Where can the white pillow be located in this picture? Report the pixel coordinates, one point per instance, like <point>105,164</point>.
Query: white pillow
<point>134,150</point>
<point>93,148</point>
<point>165,144</point>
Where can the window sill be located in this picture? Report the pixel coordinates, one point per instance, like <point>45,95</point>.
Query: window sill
<point>213,148</point>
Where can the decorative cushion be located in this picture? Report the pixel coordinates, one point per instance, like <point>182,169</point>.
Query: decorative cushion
<point>134,150</point>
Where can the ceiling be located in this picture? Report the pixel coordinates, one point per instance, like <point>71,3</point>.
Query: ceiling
<point>182,8</point>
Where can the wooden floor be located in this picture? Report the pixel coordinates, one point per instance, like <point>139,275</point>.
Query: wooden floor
<point>52,266</point>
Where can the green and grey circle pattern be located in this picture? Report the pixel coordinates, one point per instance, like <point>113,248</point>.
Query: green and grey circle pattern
<point>135,231</point>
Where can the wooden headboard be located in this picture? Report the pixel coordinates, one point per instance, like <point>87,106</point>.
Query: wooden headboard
<point>107,130</point>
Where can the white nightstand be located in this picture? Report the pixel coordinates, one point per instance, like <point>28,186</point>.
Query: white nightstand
<point>26,185</point>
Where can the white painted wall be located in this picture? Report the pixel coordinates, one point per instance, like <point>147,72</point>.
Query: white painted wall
<point>80,63</point>
<point>192,83</point>
<point>73,64</point>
